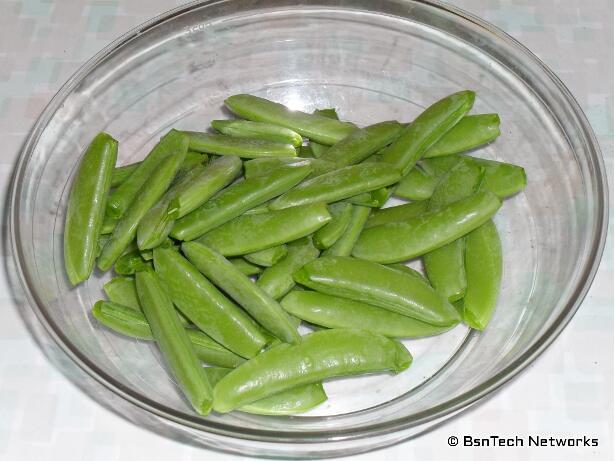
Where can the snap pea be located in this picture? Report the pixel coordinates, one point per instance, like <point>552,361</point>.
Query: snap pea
<point>321,355</point>
<point>373,199</point>
<point>265,165</point>
<point>247,148</point>
<point>267,257</point>
<point>483,262</point>
<point>313,126</point>
<point>122,173</point>
<point>257,130</point>
<point>152,191</point>
<point>192,160</point>
<point>471,131</point>
<point>129,263</point>
<point>122,290</point>
<point>396,242</point>
<point>416,185</point>
<point>378,285</point>
<point>86,207</point>
<point>174,343</point>
<point>329,112</point>
<point>236,199</point>
<point>396,213</point>
<point>277,280</point>
<point>339,184</point>
<point>290,402</point>
<point>262,307</point>
<point>334,312</point>
<point>344,245</point>
<point>254,232</point>
<point>426,129</point>
<point>246,267</point>
<point>120,199</point>
<point>206,306</point>
<point>327,235</point>
<point>132,323</point>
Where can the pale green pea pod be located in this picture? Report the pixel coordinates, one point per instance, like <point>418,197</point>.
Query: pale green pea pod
<point>267,257</point>
<point>327,235</point>
<point>246,148</point>
<point>122,290</point>
<point>344,245</point>
<point>374,199</point>
<point>265,165</point>
<point>257,130</point>
<point>416,185</point>
<point>471,131</point>
<point>246,267</point>
<point>254,232</point>
<point>396,213</point>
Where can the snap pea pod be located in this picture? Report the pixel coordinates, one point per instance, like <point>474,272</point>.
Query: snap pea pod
<point>344,245</point>
<point>416,185</point>
<point>471,131</point>
<point>339,184</point>
<point>327,235</point>
<point>334,312</point>
<point>483,259</point>
<point>108,225</point>
<point>265,165</point>
<point>277,280</point>
<point>262,307</point>
<point>290,402</point>
<point>373,199</point>
<point>122,173</point>
<point>120,199</point>
<point>362,143</point>
<point>257,130</point>
<point>445,265</point>
<point>396,242</point>
<point>254,232</point>
<point>86,207</point>
<point>173,341</point>
<point>246,148</point>
<point>313,126</point>
<point>129,263</point>
<point>236,199</point>
<point>410,271</point>
<point>321,355</point>
<point>191,161</point>
<point>246,267</point>
<point>132,323</point>
<point>427,129</point>
<point>122,290</point>
<point>267,257</point>
<point>318,149</point>
<point>396,213</point>
<point>126,229</point>
<point>378,285</point>
<point>206,306</point>
<point>329,112</point>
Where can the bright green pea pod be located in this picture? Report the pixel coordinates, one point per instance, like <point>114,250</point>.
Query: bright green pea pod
<point>397,242</point>
<point>132,323</point>
<point>362,143</point>
<point>246,267</point>
<point>254,232</point>
<point>374,199</point>
<point>410,271</point>
<point>246,148</point>
<point>339,184</point>
<point>264,166</point>
<point>503,179</point>
<point>290,402</point>
<point>262,307</point>
<point>471,131</point>
<point>327,235</point>
<point>483,259</point>
<point>396,213</point>
<point>313,126</point>
<point>320,355</point>
<point>206,307</point>
<point>267,257</point>
<point>129,263</point>
<point>86,207</point>
<point>334,312</point>
<point>344,245</point>
<point>173,341</point>
<point>378,285</point>
<point>277,280</point>
<point>122,290</point>
<point>427,129</point>
<point>257,130</point>
<point>126,229</point>
<point>237,199</point>
<point>172,144</point>
<point>416,185</point>
<point>122,173</point>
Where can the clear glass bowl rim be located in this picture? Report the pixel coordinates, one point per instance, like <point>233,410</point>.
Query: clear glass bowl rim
<point>450,407</point>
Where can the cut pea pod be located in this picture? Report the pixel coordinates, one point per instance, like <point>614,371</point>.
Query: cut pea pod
<point>262,307</point>
<point>396,213</point>
<point>334,312</point>
<point>416,185</point>
<point>246,267</point>
<point>122,290</point>
<point>86,207</point>
<point>471,131</point>
<point>344,245</point>
<point>378,285</point>
<point>254,232</point>
<point>321,355</point>
<point>374,199</point>
<point>246,148</point>
<point>316,127</point>
<point>427,129</point>
<point>327,235</point>
<point>339,184</point>
<point>237,199</point>
<point>401,241</point>
<point>257,130</point>
<point>268,257</point>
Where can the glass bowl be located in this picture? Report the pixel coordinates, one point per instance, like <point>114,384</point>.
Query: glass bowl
<point>373,61</point>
